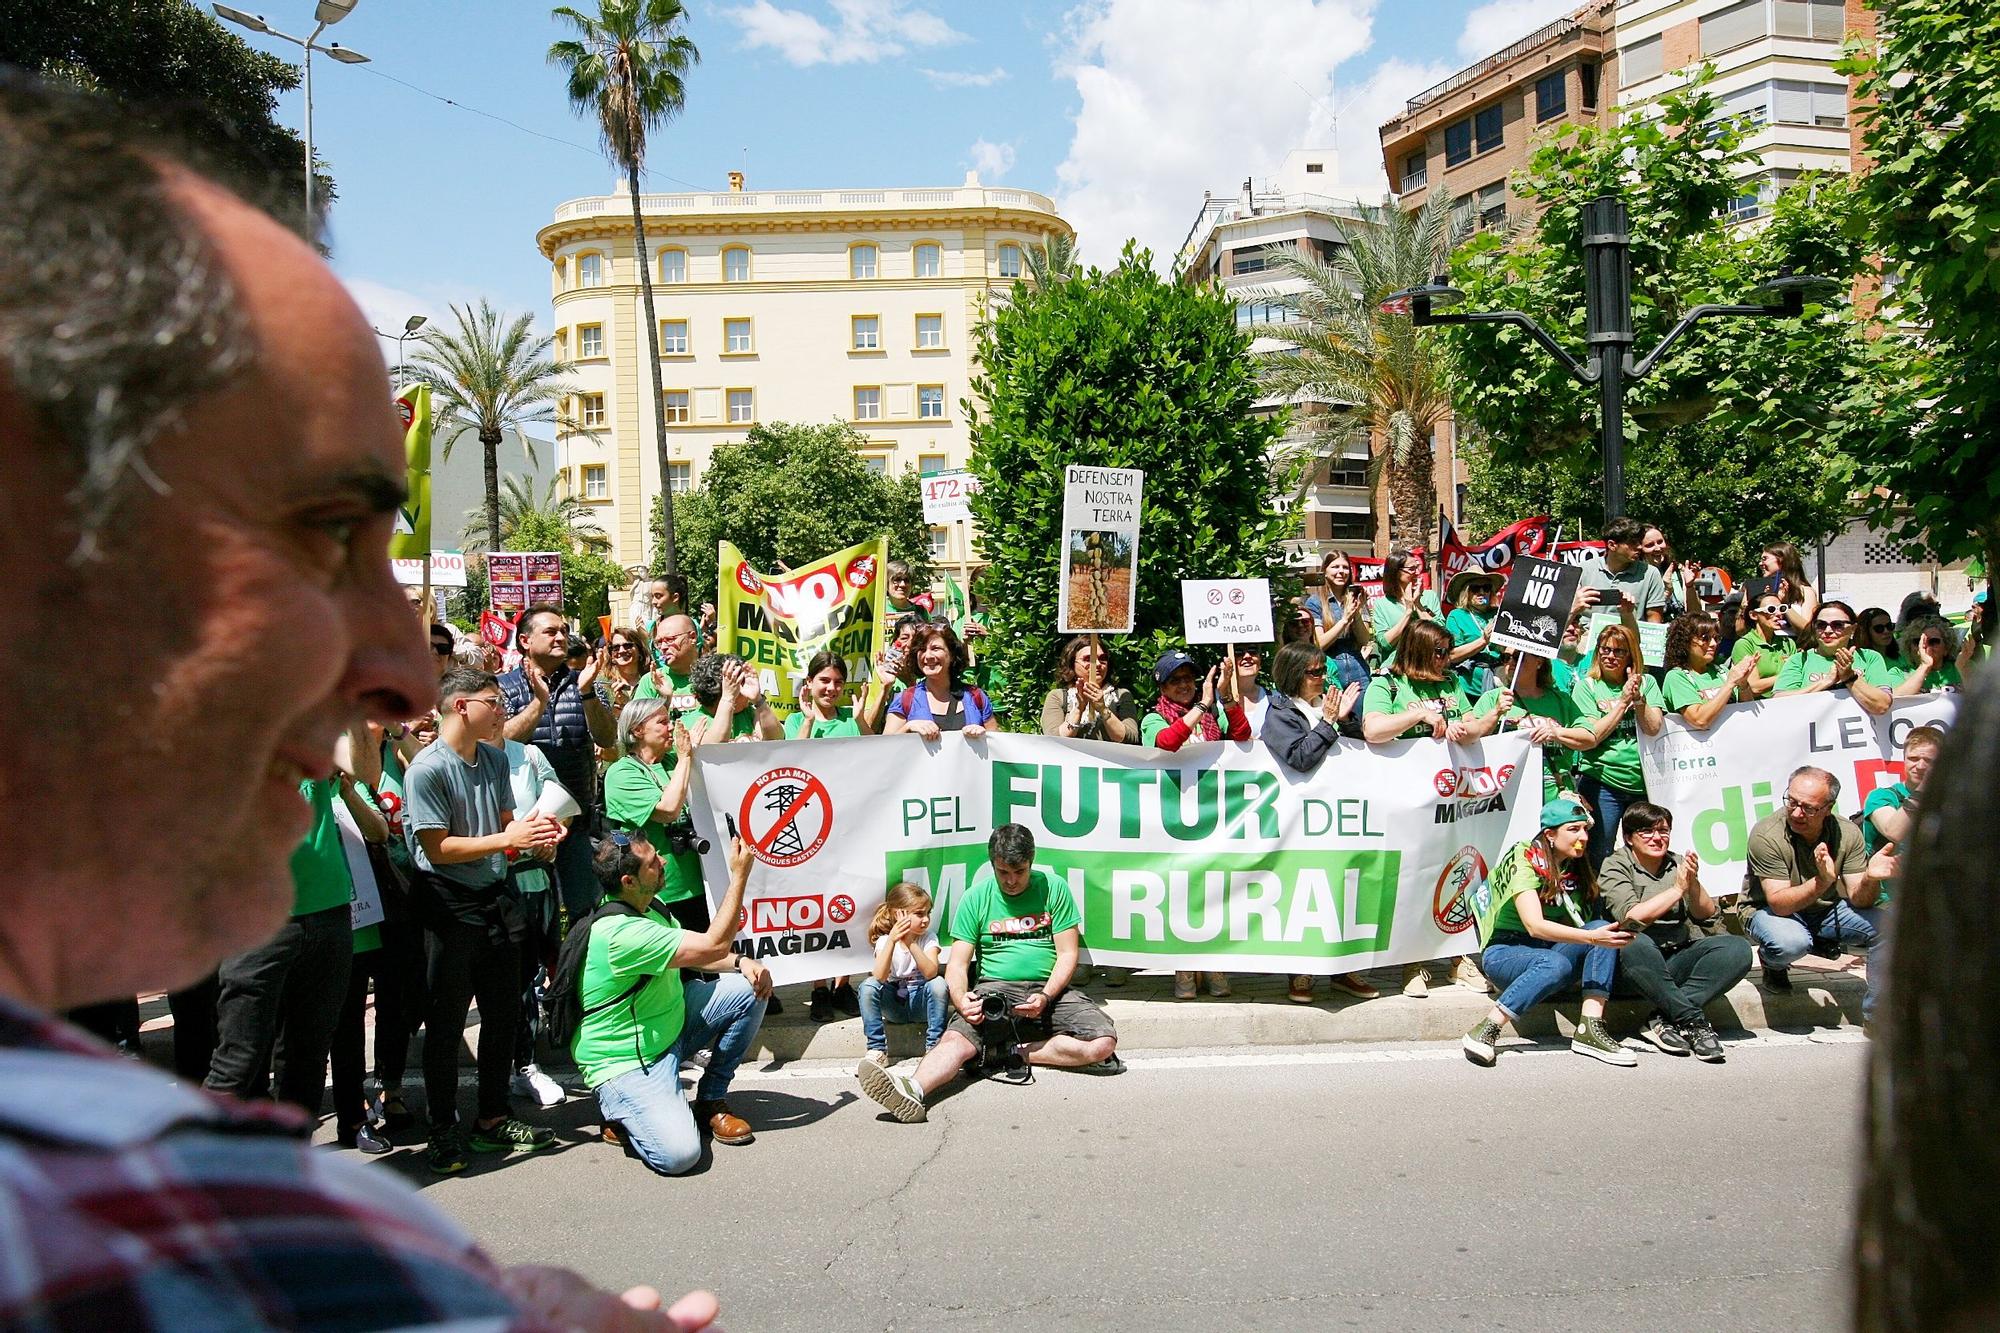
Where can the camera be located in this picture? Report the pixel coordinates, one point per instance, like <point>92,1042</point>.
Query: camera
<point>994,1006</point>
<point>683,838</point>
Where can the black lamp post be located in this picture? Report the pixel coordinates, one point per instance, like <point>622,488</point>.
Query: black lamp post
<point>1607,296</point>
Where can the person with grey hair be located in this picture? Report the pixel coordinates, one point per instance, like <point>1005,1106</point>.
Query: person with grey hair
<point>201,447</point>
<point>1813,887</point>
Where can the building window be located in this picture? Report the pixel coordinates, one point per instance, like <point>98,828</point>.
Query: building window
<point>1010,261</point>
<point>1416,172</point>
<point>1261,312</point>
<point>592,405</point>
<point>878,463</point>
<point>930,402</point>
<point>1820,104</point>
<point>673,266</point>
<point>865,333</point>
<point>673,337</point>
<point>562,345</point>
<point>1337,526</point>
<point>1255,259</point>
<point>1457,143</point>
<point>1551,95</point>
<point>1491,201</point>
<point>940,543</point>
<point>736,337</point>
<point>1821,20</point>
<point>680,478</point>
<point>868,404</point>
<point>1641,61</point>
<point>1586,77</point>
<point>1461,217</point>
<point>861,261</point>
<point>1486,134</point>
<point>589,340</point>
<point>1732,27</point>
<point>590,269</point>
<point>595,485</point>
<point>677,406</point>
<point>929,465</point>
<point>1315,168</point>
<point>742,405</point>
<point>927,261</point>
<point>930,332</point>
<point>736,264</point>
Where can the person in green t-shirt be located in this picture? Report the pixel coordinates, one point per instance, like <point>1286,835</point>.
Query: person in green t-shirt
<point>674,654</point>
<point>1835,663</point>
<point>1470,595</point>
<point>730,703</point>
<point>646,790</point>
<point>641,1021</point>
<point>1766,642</point>
<point>1023,924</point>
<point>1542,930</point>
<point>1889,814</point>
<point>1696,686</point>
<point>1938,660</point>
<point>1404,602</point>
<point>821,714</point>
<point>1539,706</point>
<point>1616,700</point>
<point>1419,696</point>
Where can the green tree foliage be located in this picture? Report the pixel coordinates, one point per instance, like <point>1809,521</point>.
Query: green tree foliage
<point>520,509</point>
<point>554,523</point>
<point>792,493</point>
<point>1116,369</point>
<point>179,70</point>
<point>1925,431</point>
<point>1728,444</point>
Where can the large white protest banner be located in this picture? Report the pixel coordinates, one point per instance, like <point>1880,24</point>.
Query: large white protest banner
<point>1720,782</point>
<point>1214,856</point>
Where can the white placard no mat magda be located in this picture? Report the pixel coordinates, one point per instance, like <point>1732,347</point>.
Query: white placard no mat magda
<point>1100,549</point>
<point>1227,610</point>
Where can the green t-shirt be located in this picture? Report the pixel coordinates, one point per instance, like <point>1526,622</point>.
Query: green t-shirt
<point>1770,656</point>
<point>640,1030</point>
<point>1802,669</point>
<point>742,723</point>
<point>1384,615</point>
<point>1558,760</point>
<point>1465,626</point>
<point>1014,933</point>
<point>1945,677</point>
<point>632,792</point>
<point>682,698</point>
<point>319,867</point>
<point>1893,797</point>
<point>1398,694</point>
<point>1615,762</point>
<point>842,723</point>
<point>1684,687</point>
<point>1778,853</point>
<point>1493,907</point>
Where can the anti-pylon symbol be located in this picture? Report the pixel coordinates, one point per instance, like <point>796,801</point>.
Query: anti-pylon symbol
<point>778,799</point>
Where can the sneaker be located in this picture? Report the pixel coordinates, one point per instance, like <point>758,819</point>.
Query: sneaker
<point>1664,1037</point>
<point>1350,983</point>
<point>1301,991</point>
<point>1478,1044</point>
<point>1113,977</point>
<point>1467,974</point>
<point>530,1084</point>
<point>898,1093</point>
<point>880,1058</point>
<point>820,1008</point>
<point>1110,1064</point>
<point>510,1135</point>
<point>1416,982</point>
<point>364,1139</point>
<point>446,1154</point>
<point>847,1001</point>
<point>1218,985</point>
<point>773,1006</point>
<point>1592,1040</point>
<point>1184,986</point>
<point>1702,1039</point>
<point>1778,980</point>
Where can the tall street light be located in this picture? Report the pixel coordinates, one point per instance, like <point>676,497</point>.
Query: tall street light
<point>325,16</point>
<point>410,327</point>
<point>1607,295</point>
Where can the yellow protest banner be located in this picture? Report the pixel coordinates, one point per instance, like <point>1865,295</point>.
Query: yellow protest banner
<point>412,537</point>
<point>776,622</point>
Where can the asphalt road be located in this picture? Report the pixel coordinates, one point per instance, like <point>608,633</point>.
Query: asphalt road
<point>1380,1188</point>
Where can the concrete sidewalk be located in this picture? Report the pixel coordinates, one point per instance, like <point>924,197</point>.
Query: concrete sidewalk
<point>1259,1014</point>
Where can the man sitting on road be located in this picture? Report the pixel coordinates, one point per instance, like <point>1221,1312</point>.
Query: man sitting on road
<point>1023,923</point>
<point>1814,888</point>
<point>640,1023</point>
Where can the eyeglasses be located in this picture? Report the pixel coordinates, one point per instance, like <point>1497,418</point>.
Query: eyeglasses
<point>440,647</point>
<point>1650,833</point>
<point>1770,610</point>
<point>1831,624</point>
<point>1706,636</point>
<point>1933,641</point>
<point>1806,807</point>
<point>1608,651</point>
<point>618,648</point>
<point>500,704</point>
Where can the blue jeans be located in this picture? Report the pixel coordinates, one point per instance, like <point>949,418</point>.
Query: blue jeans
<point>928,1004</point>
<point>723,1013</point>
<point>1608,804</point>
<point>1529,970</point>
<point>581,893</point>
<point>1346,669</point>
<point>1783,940</point>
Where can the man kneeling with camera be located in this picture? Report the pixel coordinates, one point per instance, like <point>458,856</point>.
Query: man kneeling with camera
<point>1023,924</point>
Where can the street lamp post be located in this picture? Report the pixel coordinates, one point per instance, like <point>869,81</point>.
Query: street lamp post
<point>328,13</point>
<point>410,327</point>
<point>1607,296</point>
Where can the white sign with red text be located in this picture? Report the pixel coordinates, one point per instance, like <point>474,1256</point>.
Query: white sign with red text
<point>948,496</point>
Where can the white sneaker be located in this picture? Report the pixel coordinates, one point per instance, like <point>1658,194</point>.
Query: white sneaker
<point>896,1092</point>
<point>531,1084</point>
<point>1416,982</point>
<point>877,1058</point>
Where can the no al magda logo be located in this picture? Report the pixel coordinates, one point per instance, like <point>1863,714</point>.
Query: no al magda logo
<point>861,572</point>
<point>746,579</point>
<point>786,815</point>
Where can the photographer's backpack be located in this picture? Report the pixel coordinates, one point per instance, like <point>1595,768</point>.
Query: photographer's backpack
<point>565,994</point>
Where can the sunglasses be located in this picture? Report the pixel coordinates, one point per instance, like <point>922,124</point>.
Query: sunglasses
<point>618,648</point>
<point>440,647</point>
<point>1831,624</point>
<point>1316,672</point>
<point>1769,610</point>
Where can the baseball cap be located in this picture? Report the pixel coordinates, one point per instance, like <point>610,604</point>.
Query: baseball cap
<point>1170,661</point>
<point>1563,810</point>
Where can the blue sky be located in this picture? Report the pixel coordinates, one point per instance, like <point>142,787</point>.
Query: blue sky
<point>1123,110</point>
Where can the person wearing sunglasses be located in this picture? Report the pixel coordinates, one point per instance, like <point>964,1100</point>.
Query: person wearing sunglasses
<point>1615,700</point>
<point>1536,699</point>
<point>626,669</point>
<point>1937,660</point>
<point>1834,663</point>
<point>1085,705</point>
<point>1766,641</point>
<point>1874,628</point>
<point>1696,686</point>
<point>443,646</point>
<point>676,648</point>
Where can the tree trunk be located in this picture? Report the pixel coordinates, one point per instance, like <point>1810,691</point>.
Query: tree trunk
<point>1413,490</point>
<point>489,445</point>
<point>670,563</point>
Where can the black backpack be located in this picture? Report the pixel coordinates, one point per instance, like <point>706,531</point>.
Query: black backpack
<point>565,994</point>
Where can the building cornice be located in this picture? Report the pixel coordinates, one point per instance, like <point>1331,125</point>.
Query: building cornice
<point>666,228</point>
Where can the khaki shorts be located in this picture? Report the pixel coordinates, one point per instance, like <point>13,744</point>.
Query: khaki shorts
<point>1073,1014</point>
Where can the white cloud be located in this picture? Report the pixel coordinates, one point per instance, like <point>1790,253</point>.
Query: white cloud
<point>963,78</point>
<point>1163,118</point>
<point>863,31</point>
<point>991,160</point>
<point>1500,23</point>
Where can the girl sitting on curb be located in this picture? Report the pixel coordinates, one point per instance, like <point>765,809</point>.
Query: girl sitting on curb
<point>906,984</point>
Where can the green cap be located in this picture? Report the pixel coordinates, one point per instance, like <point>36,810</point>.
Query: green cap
<point>1564,810</point>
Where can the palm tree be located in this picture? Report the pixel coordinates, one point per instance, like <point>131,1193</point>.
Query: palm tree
<point>627,68</point>
<point>519,509</point>
<point>1054,260</point>
<point>1346,349</point>
<point>492,376</point>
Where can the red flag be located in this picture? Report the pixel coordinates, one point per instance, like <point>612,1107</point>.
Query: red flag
<point>496,630</point>
<point>1529,536</point>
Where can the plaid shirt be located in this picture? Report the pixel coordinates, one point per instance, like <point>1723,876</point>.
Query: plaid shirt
<point>128,1201</point>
